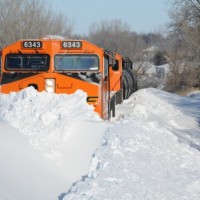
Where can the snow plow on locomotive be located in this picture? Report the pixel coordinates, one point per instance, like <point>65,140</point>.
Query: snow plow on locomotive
<point>59,65</point>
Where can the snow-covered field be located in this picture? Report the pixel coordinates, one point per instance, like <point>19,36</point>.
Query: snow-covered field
<point>55,147</point>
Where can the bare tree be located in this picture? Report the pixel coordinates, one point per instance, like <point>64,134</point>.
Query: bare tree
<point>184,45</point>
<point>185,20</point>
<point>181,76</point>
<point>22,19</point>
<point>183,72</point>
<point>116,35</point>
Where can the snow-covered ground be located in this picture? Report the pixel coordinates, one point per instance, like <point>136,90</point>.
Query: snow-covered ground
<point>54,147</point>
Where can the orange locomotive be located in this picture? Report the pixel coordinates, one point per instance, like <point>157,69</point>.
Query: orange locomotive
<point>63,66</point>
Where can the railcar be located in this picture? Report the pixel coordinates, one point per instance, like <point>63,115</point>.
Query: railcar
<point>60,65</point>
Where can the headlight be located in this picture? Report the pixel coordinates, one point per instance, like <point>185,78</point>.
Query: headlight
<point>50,85</point>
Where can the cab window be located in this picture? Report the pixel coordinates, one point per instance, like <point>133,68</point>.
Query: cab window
<point>27,62</point>
<point>76,62</point>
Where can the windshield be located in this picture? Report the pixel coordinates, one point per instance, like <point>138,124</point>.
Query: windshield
<point>76,62</point>
<point>27,62</point>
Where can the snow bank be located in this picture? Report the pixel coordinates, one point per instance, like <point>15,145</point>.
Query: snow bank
<point>62,130</point>
<point>24,172</point>
<point>56,147</point>
<point>153,153</point>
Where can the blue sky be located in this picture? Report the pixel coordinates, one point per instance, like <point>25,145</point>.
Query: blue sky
<point>141,16</point>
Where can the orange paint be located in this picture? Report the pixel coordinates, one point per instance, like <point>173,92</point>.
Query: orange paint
<point>46,73</point>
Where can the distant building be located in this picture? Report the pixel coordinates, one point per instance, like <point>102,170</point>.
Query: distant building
<point>160,72</point>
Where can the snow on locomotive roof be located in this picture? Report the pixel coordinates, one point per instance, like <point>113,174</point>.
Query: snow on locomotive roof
<point>54,37</point>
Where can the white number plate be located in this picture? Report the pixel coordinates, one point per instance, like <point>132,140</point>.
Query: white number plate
<point>32,44</point>
<point>71,44</point>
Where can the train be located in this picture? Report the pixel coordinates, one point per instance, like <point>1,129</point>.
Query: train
<point>58,65</point>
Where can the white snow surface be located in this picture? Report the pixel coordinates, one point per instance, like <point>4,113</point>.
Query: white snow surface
<point>55,147</point>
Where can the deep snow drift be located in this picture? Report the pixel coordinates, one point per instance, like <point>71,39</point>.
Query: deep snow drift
<point>48,142</point>
<point>51,146</point>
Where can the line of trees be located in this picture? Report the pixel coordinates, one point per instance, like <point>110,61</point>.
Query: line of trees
<point>116,35</point>
<point>184,45</point>
<point>180,47</point>
<point>22,19</point>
